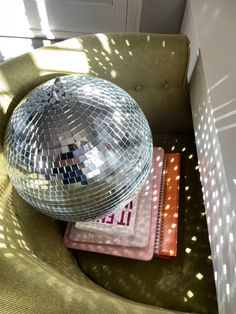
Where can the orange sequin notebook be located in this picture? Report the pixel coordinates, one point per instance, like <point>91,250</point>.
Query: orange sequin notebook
<point>167,226</point>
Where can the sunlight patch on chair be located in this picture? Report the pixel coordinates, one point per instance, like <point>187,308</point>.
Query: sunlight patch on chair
<point>8,47</point>
<point>5,95</point>
<point>5,99</point>
<point>3,246</point>
<point>73,44</point>
<point>104,41</point>
<point>48,61</point>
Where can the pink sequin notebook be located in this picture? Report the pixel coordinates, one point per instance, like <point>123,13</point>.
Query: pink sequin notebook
<point>118,222</point>
<point>141,244</point>
<point>142,228</point>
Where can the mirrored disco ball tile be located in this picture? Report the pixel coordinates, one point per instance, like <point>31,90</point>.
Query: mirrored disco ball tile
<point>78,146</point>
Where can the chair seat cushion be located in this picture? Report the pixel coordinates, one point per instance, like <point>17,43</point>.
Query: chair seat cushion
<point>184,283</point>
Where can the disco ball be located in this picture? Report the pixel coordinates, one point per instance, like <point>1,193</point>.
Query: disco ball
<point>78,147</point>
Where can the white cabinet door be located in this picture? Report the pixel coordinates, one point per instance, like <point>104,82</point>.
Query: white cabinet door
<point>65,18</point>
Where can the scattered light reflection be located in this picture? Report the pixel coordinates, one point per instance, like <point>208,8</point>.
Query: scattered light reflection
<point>224,269</point>
<point>127,42</point>
<point>227,289</point>
<point>8,255</point>
<point>224,105</point>
<point>190,294</point>
<point>220,81</point>
<point>221,239</point>
<point>113,73</point>
<point>199,276</point>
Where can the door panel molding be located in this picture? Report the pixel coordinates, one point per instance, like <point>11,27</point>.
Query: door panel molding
<point>64,19</point>
<point>134,12</point>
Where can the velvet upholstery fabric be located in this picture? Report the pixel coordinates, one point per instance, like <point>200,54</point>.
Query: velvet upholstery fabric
<point>184,283</point>
<point>38,274</point>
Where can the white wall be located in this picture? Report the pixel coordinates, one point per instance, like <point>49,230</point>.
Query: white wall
<point>213,97</point>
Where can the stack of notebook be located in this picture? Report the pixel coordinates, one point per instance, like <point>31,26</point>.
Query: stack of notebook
<point>146,227</point>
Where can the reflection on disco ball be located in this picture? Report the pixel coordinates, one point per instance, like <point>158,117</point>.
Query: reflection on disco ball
<point>78,147</point>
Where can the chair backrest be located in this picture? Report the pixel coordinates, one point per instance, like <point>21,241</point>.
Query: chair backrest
<point>151,68</point>
<point>39,275</point>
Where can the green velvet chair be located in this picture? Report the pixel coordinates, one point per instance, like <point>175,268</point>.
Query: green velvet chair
<point>37,273</point>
